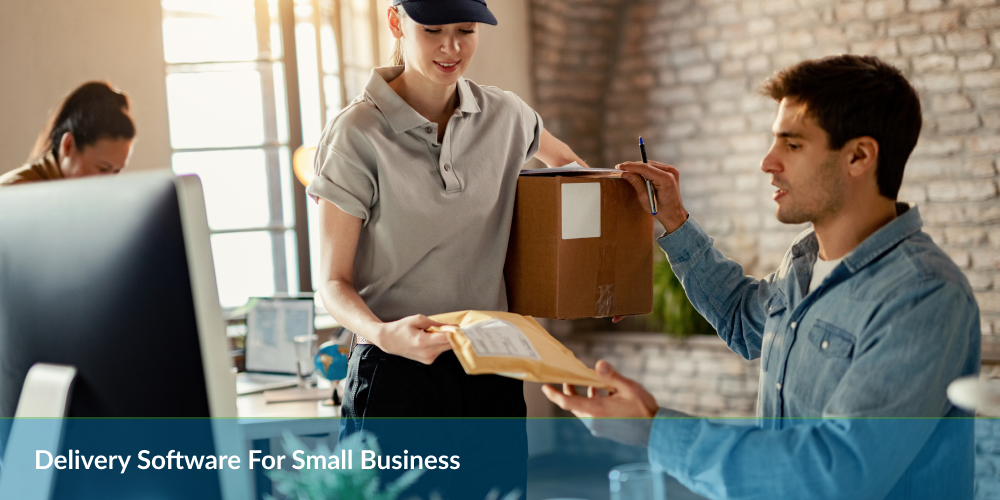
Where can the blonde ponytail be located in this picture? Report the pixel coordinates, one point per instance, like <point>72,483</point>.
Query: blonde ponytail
<point>396,58</point>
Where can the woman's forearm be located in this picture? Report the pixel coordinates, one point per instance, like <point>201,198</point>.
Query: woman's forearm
<point>556,153</point>
<point>347,307</point>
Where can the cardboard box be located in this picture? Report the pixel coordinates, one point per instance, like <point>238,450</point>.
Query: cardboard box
<point>579,248</point>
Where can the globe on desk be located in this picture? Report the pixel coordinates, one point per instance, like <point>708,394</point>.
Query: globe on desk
<point>331,362</point>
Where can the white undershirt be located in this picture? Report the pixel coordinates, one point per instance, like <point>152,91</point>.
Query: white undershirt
<point>822,269</point>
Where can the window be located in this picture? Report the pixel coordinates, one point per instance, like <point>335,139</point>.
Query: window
<point>248,82</point>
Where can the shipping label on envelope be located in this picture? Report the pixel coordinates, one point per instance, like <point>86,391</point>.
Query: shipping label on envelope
<point>514,346</point>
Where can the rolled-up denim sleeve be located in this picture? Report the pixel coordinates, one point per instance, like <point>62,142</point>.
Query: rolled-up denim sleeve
<point>717,287</point>
<point>919,341</point>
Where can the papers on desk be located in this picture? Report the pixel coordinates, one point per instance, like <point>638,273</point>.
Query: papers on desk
<point>514,346</point>
<point>573,169</point>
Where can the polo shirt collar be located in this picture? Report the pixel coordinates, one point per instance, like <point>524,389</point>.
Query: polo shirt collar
<point>397,112</point>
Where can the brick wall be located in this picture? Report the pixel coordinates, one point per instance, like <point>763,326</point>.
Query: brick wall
<point>681,73</point>
<point>698,375</point>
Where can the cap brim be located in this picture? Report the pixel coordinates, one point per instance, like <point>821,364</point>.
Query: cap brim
<point>428,13</point>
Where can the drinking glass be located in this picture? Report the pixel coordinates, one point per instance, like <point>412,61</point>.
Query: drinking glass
<point>639,481</point>
<point>305,347</point>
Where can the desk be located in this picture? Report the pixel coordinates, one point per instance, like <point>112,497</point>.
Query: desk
<point>264,425</point>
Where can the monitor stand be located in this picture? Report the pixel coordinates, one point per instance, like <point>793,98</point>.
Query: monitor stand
<point>38,425</point>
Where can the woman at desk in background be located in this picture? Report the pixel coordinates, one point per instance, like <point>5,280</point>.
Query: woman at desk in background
<point>91,134</point>
<point>416,181</point>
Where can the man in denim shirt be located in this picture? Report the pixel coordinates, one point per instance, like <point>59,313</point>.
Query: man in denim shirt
<point>865,317</point>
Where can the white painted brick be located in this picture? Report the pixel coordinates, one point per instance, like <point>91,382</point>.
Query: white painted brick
<point>984,144</point>
<point>941,21</point>
<point>697,74</point>
<point>991,120</point>
<point>934,146</point>
<point>673,95</point>
<point>965,236</point>
<point>916,45</point>
<point>961,190</point>
<point>948,103</point>
<point>846,11</point>
<point>973,62</point>
<point>959,256</point>
<point>933,62</point>
<point>966,40</point>
<point>944,82</point>
<point>687,112</point>
<point>923,5</point>
<point>989,302</point>
<point>882,9</point>
<point>914,194</point>
<point>711,402</point>
<point>983,18</point>
<point>990,98</point>
<point>881,48</point>
<point>980,281</point>
<point>986,258</point>
<point>760,26</point>
<point>731,68</point>
<point>958,122</point>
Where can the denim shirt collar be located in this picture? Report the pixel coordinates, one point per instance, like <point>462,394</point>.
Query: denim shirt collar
<point>907,222</point>
<point>397,112</point>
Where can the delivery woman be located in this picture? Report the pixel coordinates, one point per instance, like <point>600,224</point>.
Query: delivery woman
<point>416,181</point>
<point>90,134</point>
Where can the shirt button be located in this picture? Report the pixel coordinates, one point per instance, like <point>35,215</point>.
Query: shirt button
<point>428,130</point>
<point>824,344</point>
<point>793,325</point>
<point>778,385</point>
<point>447,167</point>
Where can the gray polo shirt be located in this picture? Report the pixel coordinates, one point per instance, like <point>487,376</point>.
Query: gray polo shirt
<point>436,217</point>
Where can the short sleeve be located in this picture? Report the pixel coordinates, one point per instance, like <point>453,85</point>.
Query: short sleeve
<point>343,176</point>
<point>531,125</point>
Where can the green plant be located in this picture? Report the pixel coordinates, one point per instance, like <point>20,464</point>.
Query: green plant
<point>672,311</point>
<point>338,484</point>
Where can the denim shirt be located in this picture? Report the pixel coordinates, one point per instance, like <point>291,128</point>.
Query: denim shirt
<point>882,336</point>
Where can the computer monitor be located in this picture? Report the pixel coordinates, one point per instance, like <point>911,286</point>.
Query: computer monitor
<point>114,276</point>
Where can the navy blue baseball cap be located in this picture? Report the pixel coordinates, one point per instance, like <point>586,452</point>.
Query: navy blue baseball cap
<point>438,12</point>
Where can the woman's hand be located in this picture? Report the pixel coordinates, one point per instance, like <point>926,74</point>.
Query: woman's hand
<point>409,338</point>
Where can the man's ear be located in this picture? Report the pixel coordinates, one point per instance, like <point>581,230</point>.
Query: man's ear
<point>862,155</point>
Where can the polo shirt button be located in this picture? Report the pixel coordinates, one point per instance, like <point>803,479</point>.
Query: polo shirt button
<point>447,167</point>
<point>778,385</point>
<point>825,344</point>
<point>428,130</point>
<point>793,325</point>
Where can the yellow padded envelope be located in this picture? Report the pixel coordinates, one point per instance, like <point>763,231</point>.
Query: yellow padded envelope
<point>514,346</point>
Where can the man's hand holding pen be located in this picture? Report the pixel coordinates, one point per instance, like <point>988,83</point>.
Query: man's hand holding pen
<point>666,184</point>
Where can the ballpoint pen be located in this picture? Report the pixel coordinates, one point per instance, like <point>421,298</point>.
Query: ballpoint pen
<point>649,183</point>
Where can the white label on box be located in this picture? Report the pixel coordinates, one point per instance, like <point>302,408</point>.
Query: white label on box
<point>496,337</point>
<point>581,210</point>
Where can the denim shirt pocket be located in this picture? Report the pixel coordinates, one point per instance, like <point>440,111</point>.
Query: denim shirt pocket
<point>830,340</point>
<point>776,307</point>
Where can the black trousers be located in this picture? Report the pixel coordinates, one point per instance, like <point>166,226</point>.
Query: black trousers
<point>438,409</point>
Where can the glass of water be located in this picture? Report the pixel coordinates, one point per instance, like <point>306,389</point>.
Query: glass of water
<point>640,481</point>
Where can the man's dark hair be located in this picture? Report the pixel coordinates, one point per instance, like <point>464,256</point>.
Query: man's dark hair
<point>852,96</point>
